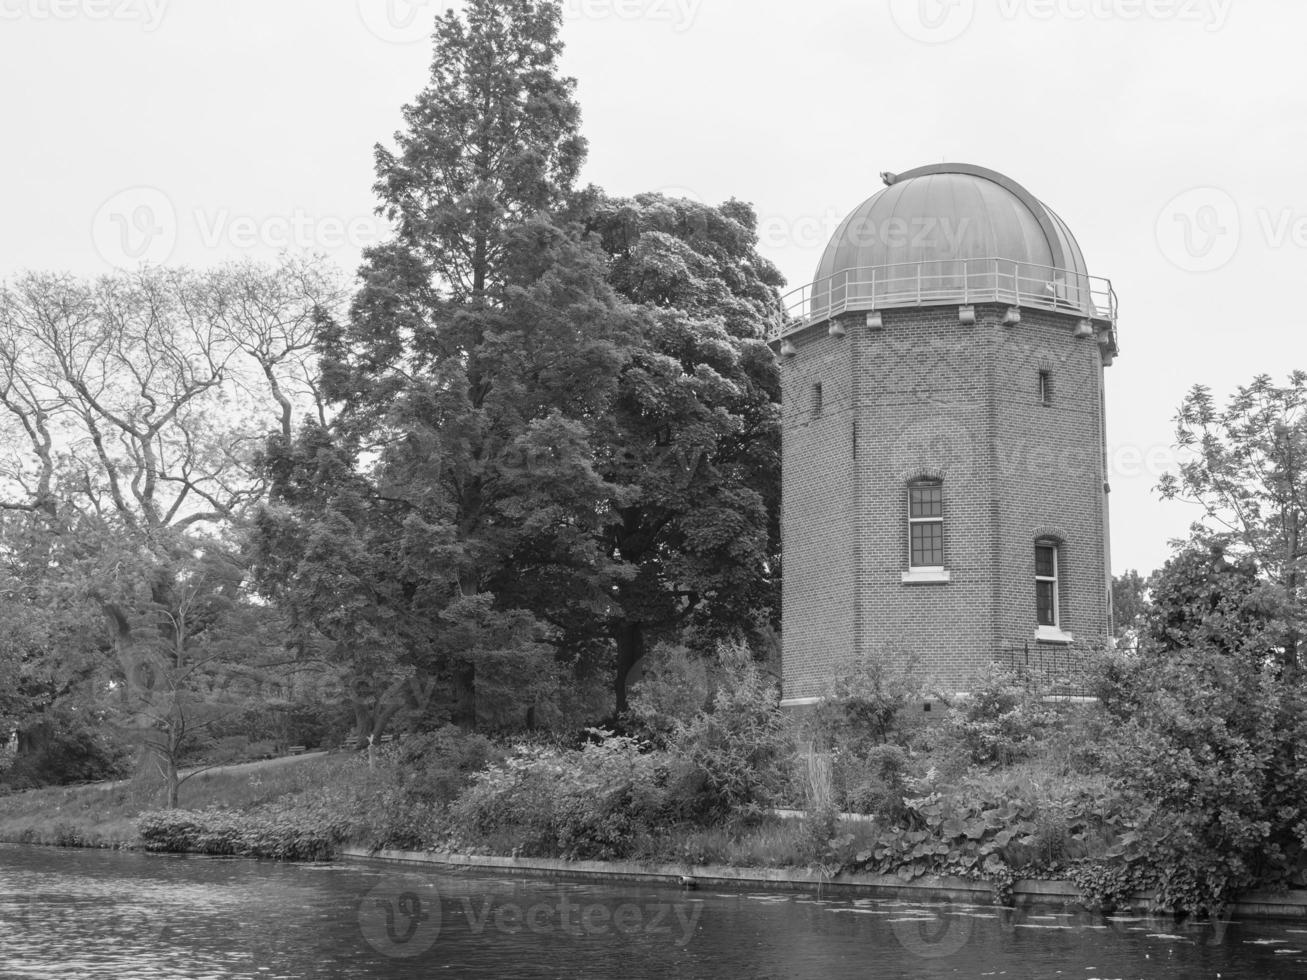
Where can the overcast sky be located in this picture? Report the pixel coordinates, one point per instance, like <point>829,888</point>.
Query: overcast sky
<point>1171,135</point>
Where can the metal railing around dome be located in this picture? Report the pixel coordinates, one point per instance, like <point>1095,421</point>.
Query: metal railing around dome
<point>939,282</point>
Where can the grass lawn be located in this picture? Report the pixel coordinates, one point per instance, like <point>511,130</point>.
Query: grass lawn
<point>104,814</point>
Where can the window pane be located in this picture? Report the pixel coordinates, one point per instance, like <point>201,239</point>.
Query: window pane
<point>927,501</point>
<point>1045,604</point>
<point>1045,562</point>
<point>927,543</point>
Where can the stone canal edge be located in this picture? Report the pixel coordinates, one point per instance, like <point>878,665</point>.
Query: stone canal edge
<point>1027,892</point>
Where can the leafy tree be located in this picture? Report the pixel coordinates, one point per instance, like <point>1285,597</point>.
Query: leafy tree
<point>190,649</point>
<point>561,409</point>
<point>1203,598</point>
<point>454,495</point>
<point>1129,602</point>
<point>134,406</point>
<point>491,142</point>
<point>693,443</point>
<point>1249,473</point>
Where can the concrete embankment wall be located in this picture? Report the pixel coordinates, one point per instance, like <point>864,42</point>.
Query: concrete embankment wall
<point>1027,892</point>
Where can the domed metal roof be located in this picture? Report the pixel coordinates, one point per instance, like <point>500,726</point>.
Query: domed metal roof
<point>953,233</point>
<point>947,212</point>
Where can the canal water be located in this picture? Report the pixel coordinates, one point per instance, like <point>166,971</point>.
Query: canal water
<point>93,914</point>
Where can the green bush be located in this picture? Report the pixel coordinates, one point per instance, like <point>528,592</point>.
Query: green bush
<point>878,701</point>
<point>1003,720</point>
<point>589,803</point>
<point>283,832</point>
<point>741,746</point>
<point>672,691</point>
<point>993,836</point>
<point>874,782</point>
<point>440,765</point>
<point>1208,743</point>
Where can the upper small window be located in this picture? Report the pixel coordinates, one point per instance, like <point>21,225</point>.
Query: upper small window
<point>1045,387</point>
<point>816,398</point>
<point>926,524</point>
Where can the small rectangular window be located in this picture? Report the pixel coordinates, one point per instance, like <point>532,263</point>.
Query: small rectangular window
<point>1046,571</point>
<point>816,398</point>
<point>1045,388</point>
<point>926,525</point>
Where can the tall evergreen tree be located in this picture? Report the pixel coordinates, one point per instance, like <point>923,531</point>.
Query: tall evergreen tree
<point>562,406</point>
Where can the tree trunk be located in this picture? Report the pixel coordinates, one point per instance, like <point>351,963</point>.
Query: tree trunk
<point>174,781</point>
<point>630,651</point>
<point>465,697</point>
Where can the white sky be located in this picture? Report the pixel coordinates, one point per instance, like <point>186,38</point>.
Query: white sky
<point>197,131</point>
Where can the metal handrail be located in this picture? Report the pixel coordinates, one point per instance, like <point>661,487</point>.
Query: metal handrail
<point>940,281</point>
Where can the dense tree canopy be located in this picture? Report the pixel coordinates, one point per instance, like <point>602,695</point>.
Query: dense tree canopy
<point>558,423</point>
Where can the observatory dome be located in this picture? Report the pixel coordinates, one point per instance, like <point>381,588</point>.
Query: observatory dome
<point>952,232</point>
<point>948,212</point>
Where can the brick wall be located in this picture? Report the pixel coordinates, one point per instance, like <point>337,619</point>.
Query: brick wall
<point>928,396</point>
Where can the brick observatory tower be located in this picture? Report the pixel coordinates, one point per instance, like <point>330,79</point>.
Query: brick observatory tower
<point>944,487</point>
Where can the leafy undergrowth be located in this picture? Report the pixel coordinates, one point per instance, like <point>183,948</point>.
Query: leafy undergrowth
<point>279,831</point>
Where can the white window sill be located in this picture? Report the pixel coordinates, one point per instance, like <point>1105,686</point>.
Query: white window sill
<point>1051,634</point>
<point>925,576</point>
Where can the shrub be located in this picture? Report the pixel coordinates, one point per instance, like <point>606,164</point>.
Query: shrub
<point>594,802</point>
<point>282,832</point>
<point>1003,720</point>
<point>876,781</point>
<point>741,746</point>
<point>1208,745</point>
<point>672,691</point>
<point>441,764</point>
<point>992,835</point>
<point>875,702</point>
